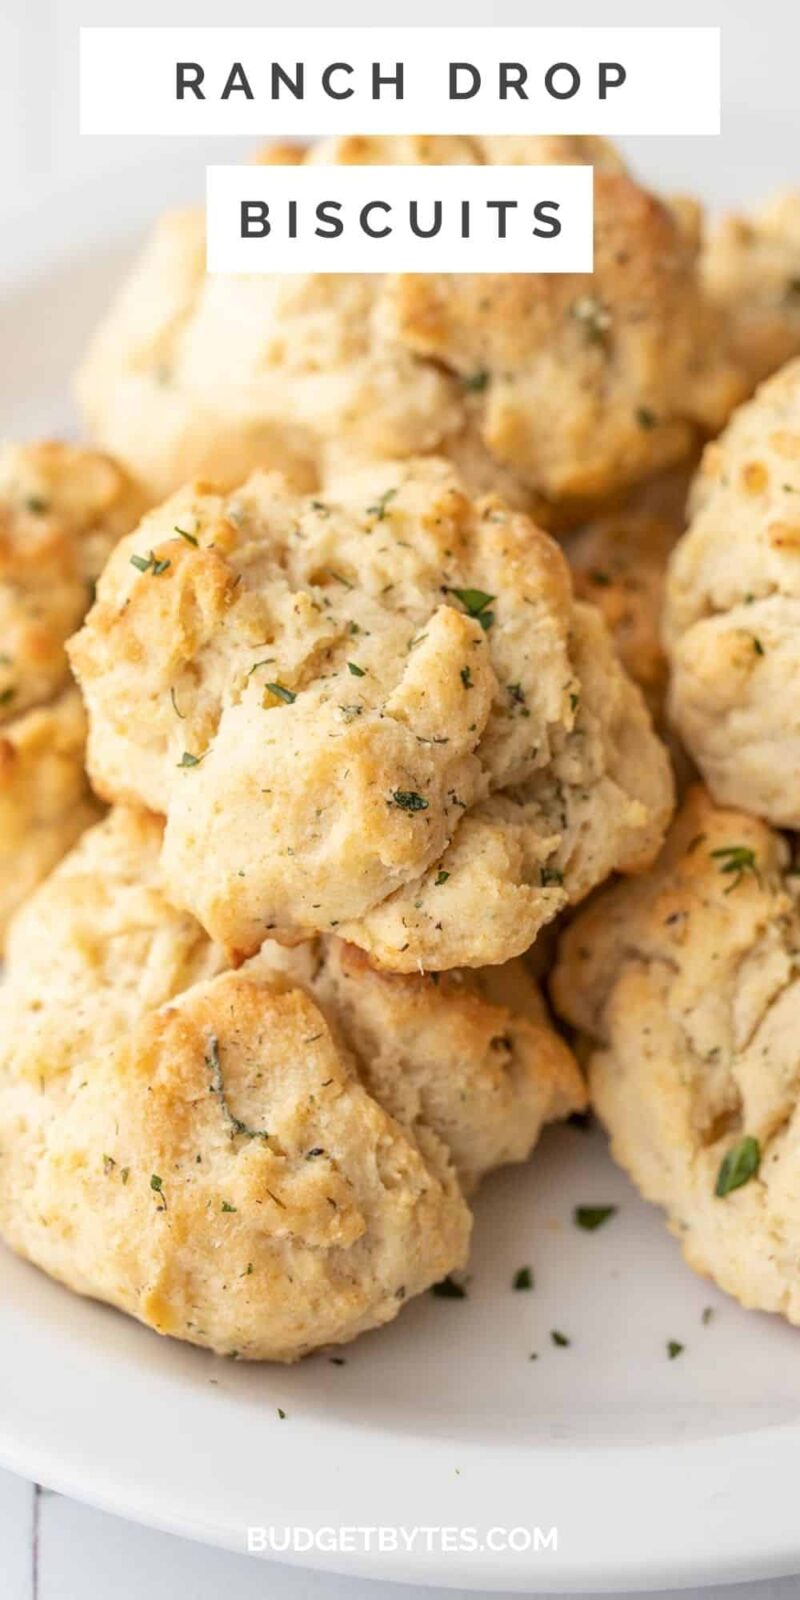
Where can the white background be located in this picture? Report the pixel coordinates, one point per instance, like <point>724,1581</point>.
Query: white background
<point>50,1548</point>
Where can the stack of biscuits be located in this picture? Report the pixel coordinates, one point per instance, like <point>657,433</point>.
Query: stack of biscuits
<point>391,648</point>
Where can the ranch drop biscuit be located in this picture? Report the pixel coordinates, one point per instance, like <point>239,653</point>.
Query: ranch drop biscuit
<point>380,714</point>
<point>555,390</point>
<point>687,984</point>
<point>259,1161</point>
<point>62,510</point>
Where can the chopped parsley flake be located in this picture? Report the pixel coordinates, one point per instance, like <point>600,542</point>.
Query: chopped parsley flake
<point>188,760</point>
<point>358,672</point>
<point>281,692</point>
<point>150,563</point>
<point>217,1087</point>
<point>189,537</point>
<point>466,677</point>
<point>379,508</point>
<point>559,1338</point>
<point>226,1206</point>
<point>522,1279</point>
<point>476,382</point>
<point>281,1413</point>
<point>739,1165</point>
<point>550,876</point>
<point>475,602</point>
<point>449,1289</point>
<point>441,877</point>
<point>409,800</point>
<point>737,859</point>
<point>592,1217</point>
<point>36,505</point>
<point>674,1349</point>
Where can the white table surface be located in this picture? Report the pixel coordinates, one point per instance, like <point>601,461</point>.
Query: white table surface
<point>52,1548</point>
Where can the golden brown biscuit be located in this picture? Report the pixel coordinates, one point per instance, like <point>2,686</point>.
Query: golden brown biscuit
<point>732,611</point>
<point>45,799</point>
<point>62,509</point>
<point>383,715</point>
<point>260,1161</point>
<point>618,562</point>
<point>688,984</point>
<point>556,390</point>
<point>751,269</point>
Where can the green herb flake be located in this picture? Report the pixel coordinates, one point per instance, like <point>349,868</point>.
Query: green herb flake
<point>281,1413</point>
<point>736,859</point>
<point>156,1183</point>
<point>358,672</point>
<point>449,1289</point>
<point>708,1315</point>
<point>739,1165</point>
<point>226,1206</point>
<point>476,382</point>
<point>592,1217</point>
<point>7,695</point>
<point>559,1339</point>
<point>188,760</point>
<point>475,602</point>
<point>466,677</point>
<point>281,692</point>
<point>674,1349</point>
<point>189,537</point>
<point>646,418</point>
<point>441,877</point>
<point>150,563</point>
<point>522,1279</point>
<point>181,714</point>
<point>758,646</point>
<point>550,877</point>
<point>379,508</point>
<point>37,506</point>
<point>408,800</point>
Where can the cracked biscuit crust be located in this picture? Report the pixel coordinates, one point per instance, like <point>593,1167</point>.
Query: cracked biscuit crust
<point>382,715</point>
<point>732,613</point>
<point>556,390</point>
<point>261,1161</point>
<point>688,985</point>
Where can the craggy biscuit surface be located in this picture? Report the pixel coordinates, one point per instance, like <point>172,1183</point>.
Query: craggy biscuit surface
<point>751,270</point>
<point>261,1161</point>
<point>556,390</point>
<point>732,613</point>
<point>45,800</point>
<point>62,510</point>
<point>382,715</point>
<point>618,562</point>
<point>688,984</point>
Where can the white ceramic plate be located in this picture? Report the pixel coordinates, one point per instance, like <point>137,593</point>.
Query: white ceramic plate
<point>655,1472</point>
